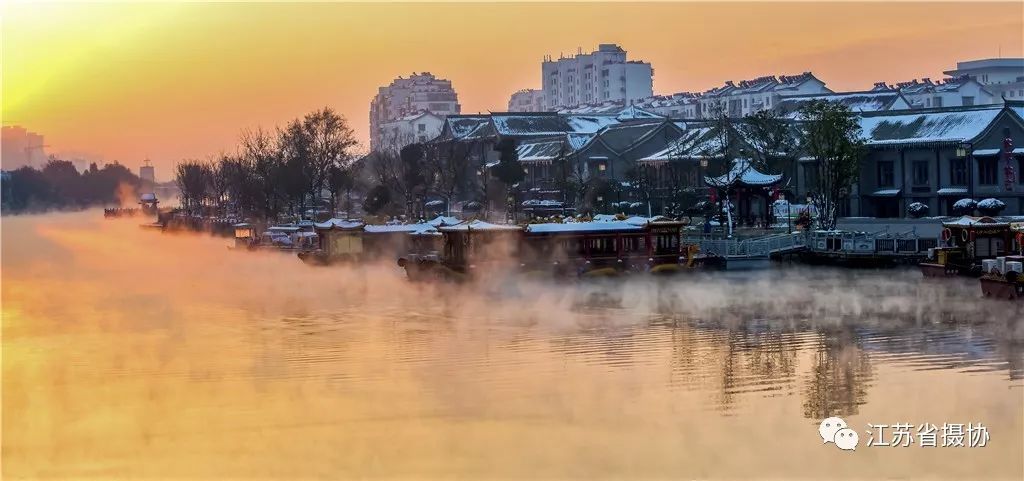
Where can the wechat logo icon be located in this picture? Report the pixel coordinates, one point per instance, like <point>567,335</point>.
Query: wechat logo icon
<point>834,430</point>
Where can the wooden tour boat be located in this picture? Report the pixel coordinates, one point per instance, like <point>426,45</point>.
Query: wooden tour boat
<point>287,238</point>
<point>348,241</point>
<point>576,249</point>
<point>965,243</point>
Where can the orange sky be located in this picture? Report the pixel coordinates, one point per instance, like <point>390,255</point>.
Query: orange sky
<point>171,81</point>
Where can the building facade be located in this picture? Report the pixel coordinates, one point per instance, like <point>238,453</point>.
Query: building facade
<point>961,91</point>
<point>21,148</point>
<point>527,100</point>
<point>739,99</point>
<point>939,156</point>
<point>602,75</point>
<point>1003,77</point>
<point>414,128</point>
<point>420,92</point>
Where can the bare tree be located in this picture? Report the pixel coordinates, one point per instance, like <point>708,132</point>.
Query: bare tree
<point>448,163</point>
<point>262,156</point>
<point>330,140</point>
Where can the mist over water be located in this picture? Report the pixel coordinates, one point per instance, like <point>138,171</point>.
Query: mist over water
<point>131,353</point>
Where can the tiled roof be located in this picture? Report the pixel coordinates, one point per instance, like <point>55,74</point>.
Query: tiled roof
<point>541,150</point>
<point>619,137</point>
<point>871,101</point>
<point>530,124</point>
<point>934,126</point>
<point>742,172</point>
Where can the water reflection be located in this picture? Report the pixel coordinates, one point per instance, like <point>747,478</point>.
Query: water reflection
<point>133,354</point>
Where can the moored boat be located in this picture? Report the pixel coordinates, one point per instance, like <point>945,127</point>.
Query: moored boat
<point>966,242</point>
<point>572,249</point>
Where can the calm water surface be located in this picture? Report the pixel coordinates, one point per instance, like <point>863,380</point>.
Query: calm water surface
<point>134,354</point>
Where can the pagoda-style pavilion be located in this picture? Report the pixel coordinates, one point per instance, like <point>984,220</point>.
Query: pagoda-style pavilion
<point>749,189</point>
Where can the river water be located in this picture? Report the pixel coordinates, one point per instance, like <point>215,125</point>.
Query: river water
<point>130,354</point>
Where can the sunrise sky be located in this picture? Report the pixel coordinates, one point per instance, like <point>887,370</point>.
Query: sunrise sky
<point>173,81</point>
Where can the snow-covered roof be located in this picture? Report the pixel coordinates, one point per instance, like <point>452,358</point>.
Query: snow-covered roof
<point>577,140</point>
<point>589,124</point>
<point>941,126</point>
<point>622,136</point>
<point>467,127</point>
<point>147,197</point>
<point>420,228</point>
<point>952,191</point>
<point>871,101</point>
<point>481,226</point>
<point>641,220</point>
<point>583,227</point>
<point>336,223</point>
<point>530,124</point>
<point>633,112</point>
<point>886,192</point>
<point>745,173</point>
<point>542,203</point>
<point>541,150</point>
<point>444,220</point>
<point>284,228</point>
<point>694,144</point>
<point>989,152</point>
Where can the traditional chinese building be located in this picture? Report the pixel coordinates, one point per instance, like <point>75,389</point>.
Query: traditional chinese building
<point>748,189</point>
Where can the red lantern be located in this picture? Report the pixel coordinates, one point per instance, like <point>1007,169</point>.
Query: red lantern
<point>713,194</point>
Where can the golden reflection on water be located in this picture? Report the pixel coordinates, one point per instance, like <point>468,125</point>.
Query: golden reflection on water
<point>131,353</point>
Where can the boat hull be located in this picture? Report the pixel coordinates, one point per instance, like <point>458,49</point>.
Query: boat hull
<point>1001,289</point>
<point>936,270</point>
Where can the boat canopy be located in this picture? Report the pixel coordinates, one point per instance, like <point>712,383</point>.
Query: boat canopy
<point>340,224</point>
<point>479,225</point>
<point>584,227</point>
<point>969,221</point>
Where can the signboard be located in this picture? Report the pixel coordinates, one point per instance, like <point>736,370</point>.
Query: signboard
<point>1008,174</point>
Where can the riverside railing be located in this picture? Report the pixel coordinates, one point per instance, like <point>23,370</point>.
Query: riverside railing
<point>750,247</point>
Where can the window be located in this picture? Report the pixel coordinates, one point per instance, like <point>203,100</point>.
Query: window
<point>421,127</point>
<point>885,174</point>
<point>937,102</point>
<point>958,171</point>
<point>920,172</point>
<point>988,170</point>
<point>968,101</point>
